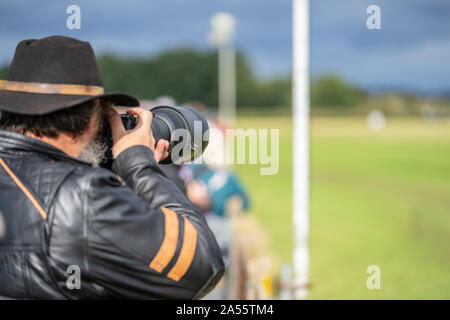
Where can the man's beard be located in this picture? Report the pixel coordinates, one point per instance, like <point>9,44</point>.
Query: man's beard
<point>94,152</point>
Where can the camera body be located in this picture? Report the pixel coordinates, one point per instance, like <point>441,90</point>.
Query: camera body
<point>185,128</point>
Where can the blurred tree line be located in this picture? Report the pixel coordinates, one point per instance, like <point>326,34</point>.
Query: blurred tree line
<point>333,91</point>
<point>191,75</point>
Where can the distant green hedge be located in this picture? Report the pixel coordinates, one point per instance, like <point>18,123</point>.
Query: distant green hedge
<point>188,74</point>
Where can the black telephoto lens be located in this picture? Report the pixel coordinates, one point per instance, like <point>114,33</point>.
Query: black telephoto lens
<point>185,128</point>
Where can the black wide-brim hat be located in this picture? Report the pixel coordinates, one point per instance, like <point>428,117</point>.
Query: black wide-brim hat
<point>52,74</point>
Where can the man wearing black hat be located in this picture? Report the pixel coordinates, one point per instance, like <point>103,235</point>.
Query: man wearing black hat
<point>76,231</point>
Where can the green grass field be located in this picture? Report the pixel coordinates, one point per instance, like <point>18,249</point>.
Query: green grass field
<point>376,199</point>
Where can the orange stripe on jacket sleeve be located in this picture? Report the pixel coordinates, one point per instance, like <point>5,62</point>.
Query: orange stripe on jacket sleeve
<point>169,245</point>
<point>24,190</point>
<point>187,252</point>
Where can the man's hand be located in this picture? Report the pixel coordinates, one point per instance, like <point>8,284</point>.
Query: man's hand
<point>140,135</point>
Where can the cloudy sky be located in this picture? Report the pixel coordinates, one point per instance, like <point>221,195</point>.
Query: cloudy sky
<point>411,51</point>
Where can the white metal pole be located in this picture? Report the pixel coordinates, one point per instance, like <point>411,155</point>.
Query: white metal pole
<point>300,91</point>
<point>227,83</point>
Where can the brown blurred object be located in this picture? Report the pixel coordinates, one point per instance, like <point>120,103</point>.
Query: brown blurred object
<point>252,266</point>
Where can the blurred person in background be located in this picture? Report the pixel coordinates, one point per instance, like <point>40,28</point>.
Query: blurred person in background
<point>210,184</point>
<point>211,190</point>
<point>215,190</point>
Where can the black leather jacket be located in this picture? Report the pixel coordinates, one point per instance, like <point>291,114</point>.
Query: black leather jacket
<point>129,232</point>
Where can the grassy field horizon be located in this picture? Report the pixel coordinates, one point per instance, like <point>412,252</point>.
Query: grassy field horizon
<point>376,199</point>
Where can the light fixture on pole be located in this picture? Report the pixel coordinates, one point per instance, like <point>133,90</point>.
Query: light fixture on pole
<point>222,29</point>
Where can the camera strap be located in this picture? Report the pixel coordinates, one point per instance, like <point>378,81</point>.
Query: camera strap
<point>24,189</point>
